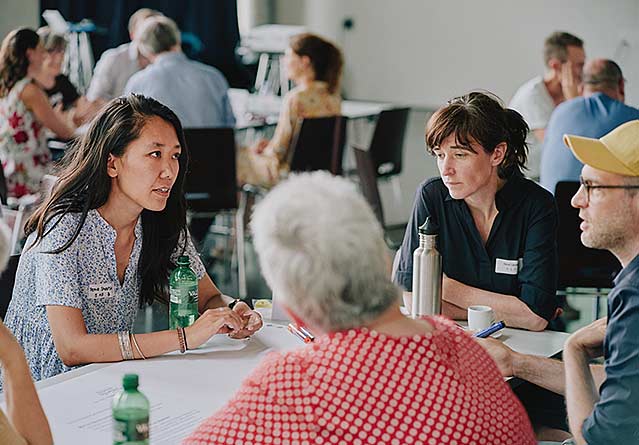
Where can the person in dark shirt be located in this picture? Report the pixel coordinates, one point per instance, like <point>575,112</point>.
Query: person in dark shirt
<point>601,400</point>
<point>497,230</point>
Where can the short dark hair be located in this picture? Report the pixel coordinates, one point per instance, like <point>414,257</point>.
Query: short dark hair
<point>604,75</point>
<point>157,35</point>
<point>481,117</point>
<point>557,43</point>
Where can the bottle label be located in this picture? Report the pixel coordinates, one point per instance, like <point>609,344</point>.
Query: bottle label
<point>130,430</point>
<point>183,294</point>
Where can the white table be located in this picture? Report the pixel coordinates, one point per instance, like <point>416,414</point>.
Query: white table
<point>185,389</point>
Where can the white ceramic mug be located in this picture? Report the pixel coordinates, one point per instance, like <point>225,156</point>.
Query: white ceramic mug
<point>480,317</point>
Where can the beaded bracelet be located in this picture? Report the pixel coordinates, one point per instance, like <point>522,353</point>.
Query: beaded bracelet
<point>180,333</point>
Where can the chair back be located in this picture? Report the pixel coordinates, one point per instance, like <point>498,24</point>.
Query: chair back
<point>368,182</point>
<point>211,182</point>
<point>579,266</point>
<point>3,186</point>
<point>387,144</point>
<point>7,280</point>
<point>318,144</point>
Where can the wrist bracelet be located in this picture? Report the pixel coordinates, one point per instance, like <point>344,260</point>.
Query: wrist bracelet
<point>124,340</point>
<point>137,347</point>
<point>181,336</point>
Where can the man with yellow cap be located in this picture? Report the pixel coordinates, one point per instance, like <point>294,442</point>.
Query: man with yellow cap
<point>602,401</point>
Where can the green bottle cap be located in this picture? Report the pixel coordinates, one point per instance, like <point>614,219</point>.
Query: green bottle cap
<point>130,381</point>
<point>183,260</point>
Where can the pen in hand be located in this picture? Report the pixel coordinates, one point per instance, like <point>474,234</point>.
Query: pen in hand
<point>490,330</point>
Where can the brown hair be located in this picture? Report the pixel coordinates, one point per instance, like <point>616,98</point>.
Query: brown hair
<point>51,40</point>
<point>14,62</point>
<point>556,45</point>
<point>325,57</point>
<point>481,118</point>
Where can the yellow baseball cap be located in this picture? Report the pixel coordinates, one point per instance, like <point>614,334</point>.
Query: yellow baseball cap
<point>617,152</point>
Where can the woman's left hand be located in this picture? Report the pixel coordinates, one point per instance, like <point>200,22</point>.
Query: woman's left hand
<point>253,321</point>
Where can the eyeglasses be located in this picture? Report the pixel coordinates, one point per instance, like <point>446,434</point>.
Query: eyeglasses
<point>588,187</point>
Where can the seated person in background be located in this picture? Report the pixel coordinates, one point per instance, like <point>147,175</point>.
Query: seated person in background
<point>598,112</point>
<point>116,220</point>
<point>117,65</point>
<point>602,400</point>
<point>196,92</point>
<point>372,375</point>
<point>26,423</point>
<point>497,230</point>
<point>315,65</point>
<point>56,85</point>
<point>564,58</point>
<point>24,111</point>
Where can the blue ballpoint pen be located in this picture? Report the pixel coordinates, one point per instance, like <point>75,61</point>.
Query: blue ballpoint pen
<point>490,330</point>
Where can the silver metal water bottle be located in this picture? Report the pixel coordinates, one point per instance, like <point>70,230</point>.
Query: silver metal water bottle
<point>427,273</point>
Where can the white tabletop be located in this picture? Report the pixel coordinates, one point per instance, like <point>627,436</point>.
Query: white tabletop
<point>185,389</point>
<point>267,107</point>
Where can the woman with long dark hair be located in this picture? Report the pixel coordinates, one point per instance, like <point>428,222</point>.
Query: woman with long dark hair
<point>104,243</point>
<point>315,65</point>
<point>24,111</point>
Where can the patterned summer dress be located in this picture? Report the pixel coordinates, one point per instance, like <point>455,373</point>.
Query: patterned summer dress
<point>23,145</point>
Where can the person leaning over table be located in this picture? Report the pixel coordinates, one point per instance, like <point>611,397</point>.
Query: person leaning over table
<point>26,422</point>
<point>497,230</point>
<point>601,400</point>
<point>315,65</point>
<point>372,375</point>
<point>103,245</point>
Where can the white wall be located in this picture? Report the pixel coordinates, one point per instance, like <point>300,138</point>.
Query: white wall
<point>423,52</point>
<point>17,13</point>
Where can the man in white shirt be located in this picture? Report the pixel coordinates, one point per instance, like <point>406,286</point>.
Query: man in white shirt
<point>564,57</point>
<point>117,65</point>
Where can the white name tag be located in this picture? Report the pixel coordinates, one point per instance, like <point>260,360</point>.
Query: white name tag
<point>102,290</point>
<point>508,267</point>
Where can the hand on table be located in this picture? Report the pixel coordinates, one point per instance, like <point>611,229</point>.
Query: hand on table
<point>221,320</point>
<point>589,339</point>
<point>252,321</point>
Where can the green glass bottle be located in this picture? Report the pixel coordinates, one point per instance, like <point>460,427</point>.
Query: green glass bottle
<point>130,414</point>
<point>183,289</point>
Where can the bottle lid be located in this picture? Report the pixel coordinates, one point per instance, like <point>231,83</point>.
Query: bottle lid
<point>429,227</point>
<point>130,381</point>
<point>183,260</point>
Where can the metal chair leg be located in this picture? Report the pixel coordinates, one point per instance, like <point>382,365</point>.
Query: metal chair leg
<point>239,239</point>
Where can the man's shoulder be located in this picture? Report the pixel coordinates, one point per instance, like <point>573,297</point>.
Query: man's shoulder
<point>112,54</point>
<point>529,90</point>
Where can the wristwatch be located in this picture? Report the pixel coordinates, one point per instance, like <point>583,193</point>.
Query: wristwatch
<point>238,300</point>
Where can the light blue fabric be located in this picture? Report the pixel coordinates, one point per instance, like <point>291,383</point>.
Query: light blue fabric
<point>84,276</point>
<point>591,117</point>
<point>197,93</point>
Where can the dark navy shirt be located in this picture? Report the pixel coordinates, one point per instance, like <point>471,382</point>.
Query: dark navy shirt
<point>616,415</point>
<point>520,255</point>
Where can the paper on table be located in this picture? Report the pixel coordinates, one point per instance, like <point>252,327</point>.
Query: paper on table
<point>183,390</point>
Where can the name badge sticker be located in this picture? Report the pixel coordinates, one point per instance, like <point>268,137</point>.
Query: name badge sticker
<point>508,267</point>
<point>102,290</point>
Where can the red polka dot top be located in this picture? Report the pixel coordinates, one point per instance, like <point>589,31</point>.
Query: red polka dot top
<point>362,387</point>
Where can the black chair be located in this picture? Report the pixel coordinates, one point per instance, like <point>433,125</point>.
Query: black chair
<point>580,266</point>
<point>368,182</point>
<point>318,144</point>
<point>211,185</point>
<point>7,280</point>
<point>3,186</point>
<point>387,144</point>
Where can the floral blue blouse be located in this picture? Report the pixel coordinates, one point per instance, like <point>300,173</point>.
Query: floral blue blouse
<point>83,276</point>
